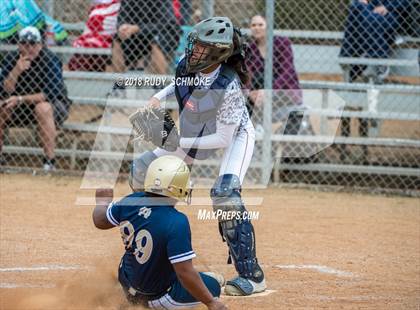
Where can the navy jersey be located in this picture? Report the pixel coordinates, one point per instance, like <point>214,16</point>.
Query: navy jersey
<point>155,237</point>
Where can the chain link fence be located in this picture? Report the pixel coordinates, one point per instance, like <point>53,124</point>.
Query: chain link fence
<point>334,85</point>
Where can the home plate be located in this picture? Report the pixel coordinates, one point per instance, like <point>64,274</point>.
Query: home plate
<point>262,294</point>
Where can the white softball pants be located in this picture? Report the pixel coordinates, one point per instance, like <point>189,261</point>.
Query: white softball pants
<point>236,158</point>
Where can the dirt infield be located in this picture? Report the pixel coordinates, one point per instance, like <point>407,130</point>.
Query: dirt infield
<point>331,250</point>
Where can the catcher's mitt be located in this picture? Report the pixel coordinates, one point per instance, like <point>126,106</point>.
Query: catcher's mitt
<point>155,125</point>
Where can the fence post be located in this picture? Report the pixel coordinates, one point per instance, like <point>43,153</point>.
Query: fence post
<point>268,93</point>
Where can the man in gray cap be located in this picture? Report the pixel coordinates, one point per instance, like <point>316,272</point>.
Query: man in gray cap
<point>32,89</point>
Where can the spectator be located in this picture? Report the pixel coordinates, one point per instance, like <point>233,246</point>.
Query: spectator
<point>285,79</point>
<point>99,31</point>
<point>145,28</point>
<point>370,30</point>
<point>32,88</point>
<point>15,15</point>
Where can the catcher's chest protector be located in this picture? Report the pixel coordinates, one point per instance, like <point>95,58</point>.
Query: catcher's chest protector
<point>198,107</point>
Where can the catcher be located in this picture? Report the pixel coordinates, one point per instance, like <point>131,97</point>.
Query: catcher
<point>156,270</point>
<point>211,117</point>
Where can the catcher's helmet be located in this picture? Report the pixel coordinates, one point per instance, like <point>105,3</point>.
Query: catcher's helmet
<point>209,42</point>
<point>168,176</point>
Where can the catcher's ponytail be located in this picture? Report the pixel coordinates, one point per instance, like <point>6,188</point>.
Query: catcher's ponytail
<point>238,57</point>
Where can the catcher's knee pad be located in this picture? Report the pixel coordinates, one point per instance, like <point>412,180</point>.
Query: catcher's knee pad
<point>235,228</point>
<point>138,170</point>
<point>226,193</point>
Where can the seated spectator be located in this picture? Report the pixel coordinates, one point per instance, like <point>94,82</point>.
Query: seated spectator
<point>99,31</point>
<point>370,30</point>
<point>32,89</point>
<point>15,15</point>
<point>145,29</point>
<point>287,92</point>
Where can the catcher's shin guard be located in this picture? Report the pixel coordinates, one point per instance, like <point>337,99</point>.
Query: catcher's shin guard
<point>238,232</point>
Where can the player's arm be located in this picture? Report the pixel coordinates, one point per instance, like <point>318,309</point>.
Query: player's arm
<point>191,280</point>
<point>162,95</point>
<point>103,199</point>
<point>221,139</point>
<point>180,255</point>
<point>227,121</point>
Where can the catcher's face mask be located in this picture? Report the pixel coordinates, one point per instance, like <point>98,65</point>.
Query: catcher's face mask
<point>199,55</point>
<point>210,42</point>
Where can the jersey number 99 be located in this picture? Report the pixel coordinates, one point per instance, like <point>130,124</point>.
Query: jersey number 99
<point>143,241</point>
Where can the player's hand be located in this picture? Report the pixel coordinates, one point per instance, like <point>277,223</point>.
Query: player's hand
<point>381,10</point>
<point>366,2</point>
<point>11,102</point>
<point>126,30</point>
<point>23,63</point>
<point>216,305</point>
<point>154,103</point>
